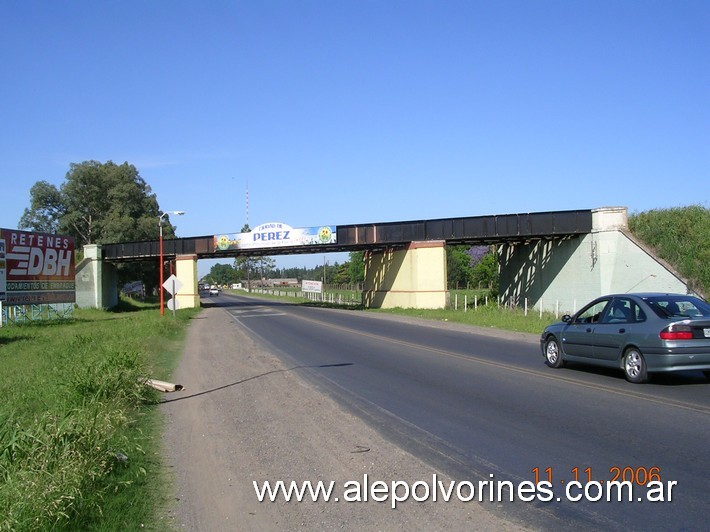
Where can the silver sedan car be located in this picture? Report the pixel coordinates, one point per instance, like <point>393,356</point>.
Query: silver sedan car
<point>638,333</point>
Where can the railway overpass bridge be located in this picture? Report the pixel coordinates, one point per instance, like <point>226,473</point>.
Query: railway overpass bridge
<point>555,260</point>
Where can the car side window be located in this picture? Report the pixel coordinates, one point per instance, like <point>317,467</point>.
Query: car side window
<point>673,307</point>
<point>621,310</point>
<point>639,314</point>
<point>592,313</point>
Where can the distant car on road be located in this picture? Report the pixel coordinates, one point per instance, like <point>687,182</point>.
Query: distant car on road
<point>214,291</point>
<point>638,333</point>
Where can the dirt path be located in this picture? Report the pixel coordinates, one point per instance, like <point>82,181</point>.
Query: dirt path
<point>244,417</point>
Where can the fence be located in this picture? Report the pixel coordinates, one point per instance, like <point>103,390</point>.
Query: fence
<point>555,307</point>
<point>335,298</point>
<point>27,313</point>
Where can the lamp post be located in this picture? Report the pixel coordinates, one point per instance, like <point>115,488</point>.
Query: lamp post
<point>160,267</point>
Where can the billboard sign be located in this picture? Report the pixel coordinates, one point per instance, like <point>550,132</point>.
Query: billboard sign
<point>315,287</point>
<point>276,235</point>
<point>36,268</point>
<point>2,271</point>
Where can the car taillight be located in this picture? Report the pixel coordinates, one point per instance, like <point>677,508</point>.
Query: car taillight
<point>677,332</point>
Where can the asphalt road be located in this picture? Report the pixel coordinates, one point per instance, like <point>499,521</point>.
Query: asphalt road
<point>481,405</point>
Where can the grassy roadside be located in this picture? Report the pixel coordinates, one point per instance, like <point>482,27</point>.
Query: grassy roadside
<point>509,319</point>
<point>484,316</point>
<point>79,434</point>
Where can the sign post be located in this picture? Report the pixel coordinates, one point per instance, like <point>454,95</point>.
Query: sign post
<point>172,285</point>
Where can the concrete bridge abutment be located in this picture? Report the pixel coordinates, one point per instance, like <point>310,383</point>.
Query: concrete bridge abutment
<point>410,277</point>
<point>565,273</point>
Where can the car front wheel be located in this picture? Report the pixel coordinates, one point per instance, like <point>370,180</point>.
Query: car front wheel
<point>635,366</point>
<point>553,357</point>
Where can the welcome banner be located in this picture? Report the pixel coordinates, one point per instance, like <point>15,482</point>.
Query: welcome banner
<point>276,235</point>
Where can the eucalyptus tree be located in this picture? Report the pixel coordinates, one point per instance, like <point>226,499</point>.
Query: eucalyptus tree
<point>99,203</point>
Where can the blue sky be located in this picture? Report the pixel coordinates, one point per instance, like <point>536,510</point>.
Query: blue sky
<point>340,112</point>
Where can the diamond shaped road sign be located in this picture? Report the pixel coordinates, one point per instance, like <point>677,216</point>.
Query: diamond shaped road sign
<point>172,284</point>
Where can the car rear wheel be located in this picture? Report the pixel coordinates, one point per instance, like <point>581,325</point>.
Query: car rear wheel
<point>553,357</point>
<point>635,366</point>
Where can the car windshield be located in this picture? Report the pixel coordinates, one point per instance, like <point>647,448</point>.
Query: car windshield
<point>679,306</point>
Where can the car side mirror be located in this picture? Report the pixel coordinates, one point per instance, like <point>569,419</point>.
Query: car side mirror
<point>566,318</point>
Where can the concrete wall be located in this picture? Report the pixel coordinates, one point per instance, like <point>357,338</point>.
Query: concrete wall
<point>186,272</point>
<point>96,281</point>
<point>565,274</point>
<point>414,277</point>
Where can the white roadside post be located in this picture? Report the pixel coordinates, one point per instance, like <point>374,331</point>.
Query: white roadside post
<point>173,286</point>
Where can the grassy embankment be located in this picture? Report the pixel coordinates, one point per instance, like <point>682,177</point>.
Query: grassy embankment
<point>681,237</point>
<point>79,432</point>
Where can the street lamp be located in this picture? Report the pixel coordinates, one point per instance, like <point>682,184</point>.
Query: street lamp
<point>160,268</point>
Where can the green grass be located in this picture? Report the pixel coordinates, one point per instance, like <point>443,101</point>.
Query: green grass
<point>679,236</point>
<point>79,432</point>
<point>484,316</point>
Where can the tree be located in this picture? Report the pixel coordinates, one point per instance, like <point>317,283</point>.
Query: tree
<point>265,267</point>
<point>485,269</point>
<point>98,203</point>
<point>472,267</point>
<point>247,267</point>
<point>46,207</point>
<point>341,275</point>
<point>356,267</point>
<point>458,267</point>
<point>223,274</point>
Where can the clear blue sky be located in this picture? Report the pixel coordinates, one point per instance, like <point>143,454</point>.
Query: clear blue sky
<point>339,112</point>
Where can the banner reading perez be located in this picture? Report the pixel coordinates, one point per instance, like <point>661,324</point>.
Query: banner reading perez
<point>38,268</point>
<point>275,235</point>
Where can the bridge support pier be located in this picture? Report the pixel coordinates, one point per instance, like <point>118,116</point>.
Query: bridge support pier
<point>96,280</point>
<point>186,272</point>
<point>412,277</point>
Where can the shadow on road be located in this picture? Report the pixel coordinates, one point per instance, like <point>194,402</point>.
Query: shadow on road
<point>197,394</point>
